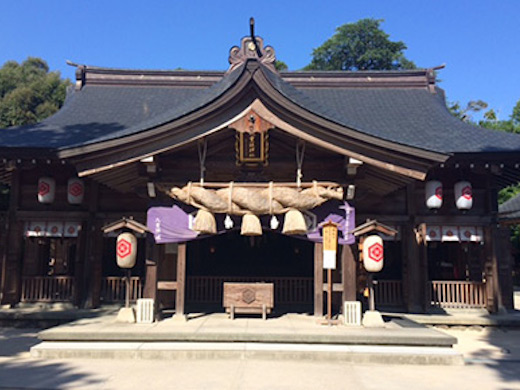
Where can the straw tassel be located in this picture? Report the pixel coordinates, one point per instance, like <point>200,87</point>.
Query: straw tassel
<point>205,222</point>
<point>294,223</point>
<point>251,225</point>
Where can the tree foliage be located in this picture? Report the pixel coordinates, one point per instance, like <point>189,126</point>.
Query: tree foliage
<point>280,65</point>
<point>360,46</point>
<point>464,113</point>
<point>489,118</point>
<point>29,92</point>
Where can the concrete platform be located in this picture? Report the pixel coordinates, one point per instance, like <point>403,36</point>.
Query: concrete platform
<point>215,336</point>
<point>509,319</point>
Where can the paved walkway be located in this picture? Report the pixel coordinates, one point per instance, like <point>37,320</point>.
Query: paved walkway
<point>218,327</point>
<point>493,364</point>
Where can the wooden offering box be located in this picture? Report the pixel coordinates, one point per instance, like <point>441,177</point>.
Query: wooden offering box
<point>248,298</point>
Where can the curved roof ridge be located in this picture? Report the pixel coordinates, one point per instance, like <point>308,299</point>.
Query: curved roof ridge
<point>185,108</point>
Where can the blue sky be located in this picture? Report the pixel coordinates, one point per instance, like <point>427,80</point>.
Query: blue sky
<point>477,40</point>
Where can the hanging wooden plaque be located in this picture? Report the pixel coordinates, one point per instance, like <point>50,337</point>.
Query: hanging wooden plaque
<point>252,141</point>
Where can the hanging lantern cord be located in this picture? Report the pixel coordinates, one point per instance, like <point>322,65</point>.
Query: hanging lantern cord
<point>270,198</point>
<point>230,198</point>
<point>300,153</point>
<point>202,147</point>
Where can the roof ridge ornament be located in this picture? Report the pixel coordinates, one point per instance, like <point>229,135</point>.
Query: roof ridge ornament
<point>251,47</point>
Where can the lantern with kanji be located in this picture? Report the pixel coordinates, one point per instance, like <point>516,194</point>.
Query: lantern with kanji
<point>46,189</point>
<point>126,250</point>
<point>373,253</point>
<point>433,194</point>
<point>463,195</point>
<point>75,190</point>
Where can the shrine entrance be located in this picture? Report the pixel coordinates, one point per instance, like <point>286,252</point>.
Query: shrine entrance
<point>285,261</point>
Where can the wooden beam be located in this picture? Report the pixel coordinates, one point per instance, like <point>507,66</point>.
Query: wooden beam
<point>318,279</point>
<point>167,285</point>
<point>181,279</point>
<point>336,287</point>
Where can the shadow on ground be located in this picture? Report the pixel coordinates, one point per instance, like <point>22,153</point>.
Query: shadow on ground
<point>17,341</point>
<point>17,368</point>
<point>44,375</point>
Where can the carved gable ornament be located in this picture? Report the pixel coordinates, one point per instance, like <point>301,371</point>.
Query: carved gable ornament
<point>252,139</point>
<point>252,47</point>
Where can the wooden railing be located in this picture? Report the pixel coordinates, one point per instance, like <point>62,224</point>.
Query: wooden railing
<point>388,293</point>
<point>47,289</point>
<point>287,290</point>
<point>457,294</point>
<point>113,288</point>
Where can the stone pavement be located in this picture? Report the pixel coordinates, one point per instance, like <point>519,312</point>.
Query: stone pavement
<point>215,336</point>
<point>493,364</point>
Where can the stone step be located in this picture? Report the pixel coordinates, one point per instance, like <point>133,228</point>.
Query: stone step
<point>360,354</point>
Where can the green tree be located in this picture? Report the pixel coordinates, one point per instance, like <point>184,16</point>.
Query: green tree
<point>29,92</point>
<point>515,116</point>
<point>489,119</point>
<point>280,65</point>
<point>360,46</point>
<point>464,113</point>
<point>512,125</point>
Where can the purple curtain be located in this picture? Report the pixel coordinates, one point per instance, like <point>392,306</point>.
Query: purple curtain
<point>171,224</point>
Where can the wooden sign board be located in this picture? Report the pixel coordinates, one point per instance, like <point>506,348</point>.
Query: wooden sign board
<point>330,245</point>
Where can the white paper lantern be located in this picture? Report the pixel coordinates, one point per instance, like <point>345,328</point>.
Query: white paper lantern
<point>126,250</point>
<point>46,189</point>
<point>373,254</point>
<point>463,195</point>
<point>433,194</point>
<point>75,191</point>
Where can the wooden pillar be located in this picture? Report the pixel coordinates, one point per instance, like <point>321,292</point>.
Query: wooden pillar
<point>348,271</point>
<point>79,266</point>
<point>10,284</point>
<point>181,279</point>
<point>491,268</point>
<point>318,279</point>
<point>415,279</point>
<point>92,269</point>
<point>505,267</point>
<point>494,265</point>
<point>150,283</point>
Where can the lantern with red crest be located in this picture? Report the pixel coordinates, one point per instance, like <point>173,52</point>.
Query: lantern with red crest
<point>126,250</point>
<point>373,254</point>
<point>433,194</point>
<point>46,189</point>
<point>463,195</point>
<point>75,190</point>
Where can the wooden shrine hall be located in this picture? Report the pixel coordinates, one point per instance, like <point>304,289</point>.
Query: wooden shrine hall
<point>232,172</point>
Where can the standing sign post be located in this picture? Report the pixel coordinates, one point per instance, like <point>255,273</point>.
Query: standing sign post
<point>330,246</point>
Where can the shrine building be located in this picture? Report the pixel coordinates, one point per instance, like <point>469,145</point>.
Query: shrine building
<point>228,176</point>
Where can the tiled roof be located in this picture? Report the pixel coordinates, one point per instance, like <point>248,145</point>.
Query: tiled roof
<point>510,210</point>
<point>413,116</point>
